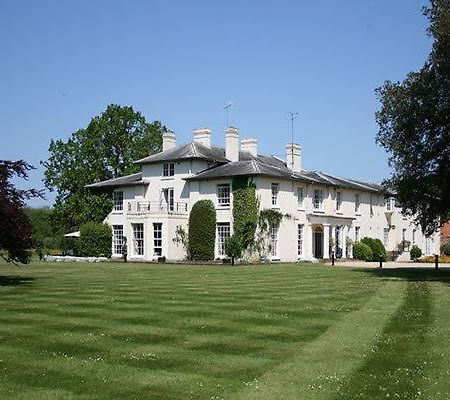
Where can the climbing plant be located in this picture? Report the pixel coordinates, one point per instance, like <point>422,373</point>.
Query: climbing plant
<point>245,210</point>
<point>202,230</point>
<point>268,218</point>
<point>182,238</point>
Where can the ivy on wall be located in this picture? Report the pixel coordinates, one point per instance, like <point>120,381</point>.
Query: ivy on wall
<point>245,210</point>
<point>202,230</point>
<point>268,218</point>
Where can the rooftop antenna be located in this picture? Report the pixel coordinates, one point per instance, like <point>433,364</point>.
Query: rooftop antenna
<point>227,113</point>
<point>293,115</point>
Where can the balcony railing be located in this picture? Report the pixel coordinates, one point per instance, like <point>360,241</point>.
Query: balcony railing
<point>156,207</point>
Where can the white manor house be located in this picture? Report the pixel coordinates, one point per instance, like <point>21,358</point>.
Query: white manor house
<point>327,212</point>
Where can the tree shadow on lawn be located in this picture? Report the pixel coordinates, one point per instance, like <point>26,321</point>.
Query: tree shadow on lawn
<point>417,274</point>
<point>15,280</point>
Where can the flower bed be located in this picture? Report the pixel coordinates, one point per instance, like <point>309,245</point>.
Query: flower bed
<point>430,259</point>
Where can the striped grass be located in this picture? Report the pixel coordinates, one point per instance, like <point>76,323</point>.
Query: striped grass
<point>114,331</point>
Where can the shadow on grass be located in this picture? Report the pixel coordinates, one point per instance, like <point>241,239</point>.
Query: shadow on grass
<point>15,280</point>
<point>417,274</point>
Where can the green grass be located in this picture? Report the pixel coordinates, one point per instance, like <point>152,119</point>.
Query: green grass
<point>114,331</point>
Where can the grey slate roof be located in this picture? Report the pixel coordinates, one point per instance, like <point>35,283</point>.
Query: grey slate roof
<point>343,182</point>
<point>190,150</point>
<point>128,180</point>
<point>248,165</point>
<point>273,167</point>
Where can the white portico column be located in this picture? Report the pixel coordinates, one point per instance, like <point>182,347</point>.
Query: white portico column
<point>350,252</point>
<point>326,240</point>
<point>344,241</point>
<point>333,237</point>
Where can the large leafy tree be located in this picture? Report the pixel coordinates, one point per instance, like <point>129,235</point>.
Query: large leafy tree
<point>105,149</point>
<point>414,127</point>
<point>15,226</point>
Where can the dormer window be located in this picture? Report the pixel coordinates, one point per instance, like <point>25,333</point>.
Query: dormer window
<point>169,169</point>
<point>118,201</point>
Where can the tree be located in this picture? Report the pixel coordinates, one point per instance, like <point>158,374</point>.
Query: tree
<point>233,247</point>
<point>414,128</point>
<point>105,149</point>
<point>43,233</point>
<point>15,226</point>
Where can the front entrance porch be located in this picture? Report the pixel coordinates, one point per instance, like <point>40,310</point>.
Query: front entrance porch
<point>329,234</point>
<point>317,242</point>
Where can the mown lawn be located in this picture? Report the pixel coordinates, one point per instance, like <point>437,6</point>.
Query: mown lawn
<point>114,331</point>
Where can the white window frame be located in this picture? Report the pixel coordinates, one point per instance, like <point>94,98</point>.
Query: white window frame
<point>118,201</point>
<point>318,199</point>
<point>157,239</point>
<point>223,195</point>
<point>357,233</point>
<point>357,203</point>
<point>117,239</point>
<point>300,240</point>
<point>168,169</point>
<point>300,197</point>
<point>169,198</point>
<point>275,191</point>
<point>413,241</point>
<point>386,238</point>
<point>223,233</point>
<point>274,230</point>
<point>428,246</point>
<point>338,201</point>
<point>138,239</point>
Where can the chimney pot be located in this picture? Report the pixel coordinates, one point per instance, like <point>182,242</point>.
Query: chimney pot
<point>250,145</point>
<point>232,143</point>
<point>294,156</point>
<point>203,136</point>
<point>169,140</point>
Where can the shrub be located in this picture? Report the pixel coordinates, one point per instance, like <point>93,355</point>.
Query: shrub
<point>446,248</point>
<point>362,251</point>
<point>415,253</point>
<point>202,230</point>
<point>377,247</point>
<point>95,240</point>
<point>233,247</point>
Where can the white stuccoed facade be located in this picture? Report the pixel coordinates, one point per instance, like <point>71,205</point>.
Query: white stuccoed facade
<point>149,208</point>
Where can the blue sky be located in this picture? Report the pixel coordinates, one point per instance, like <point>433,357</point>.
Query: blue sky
<point>180,62</point>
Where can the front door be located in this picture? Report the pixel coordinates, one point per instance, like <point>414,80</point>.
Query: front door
<point>318,243</point>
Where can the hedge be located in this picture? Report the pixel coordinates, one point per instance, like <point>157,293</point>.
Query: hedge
<point>202,230</point>
<point>95,240</point>
<point>446,248</point>
<point>377,247</point>
<point>362,251</point>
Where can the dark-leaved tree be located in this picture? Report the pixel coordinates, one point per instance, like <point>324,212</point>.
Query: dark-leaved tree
<point>414,128</point>
<point>105,149</point>
<point>15,226</point>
